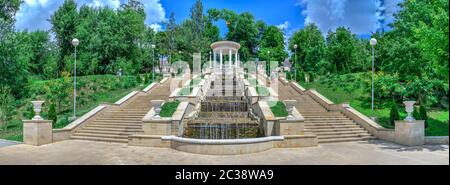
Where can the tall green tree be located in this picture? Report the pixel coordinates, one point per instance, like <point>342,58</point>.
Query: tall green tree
<point>311,49</point>
<point>272,46</point>
<point>14,50</point>
<point>64,22</point>
<point>417,48</point>
<point>341,50</point>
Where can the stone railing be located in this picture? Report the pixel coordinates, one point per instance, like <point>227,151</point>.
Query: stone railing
<point>367,123</point>
<point>255,97</point>
<point>276,126</point>
<point>297,87</point>
<point>319,98</point>
<point>126,98</point>
<point>193,98</point>
<point>153,125</point>
<point>284,81</point>
<point>149,87</point>
<point>64,133</point>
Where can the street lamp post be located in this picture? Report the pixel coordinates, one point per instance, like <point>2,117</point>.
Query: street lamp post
<point>75,43</point>
<point>373,42</point>
<point>256,50</point>
<point>268,64</point>
<point>295,61</point>
<point>153,63</point>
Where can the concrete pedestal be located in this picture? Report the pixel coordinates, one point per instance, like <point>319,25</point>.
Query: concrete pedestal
<point>410,133</point>
<point>37,132</point>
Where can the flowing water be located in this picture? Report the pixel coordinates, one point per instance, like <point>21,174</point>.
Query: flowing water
<point>222,116</point>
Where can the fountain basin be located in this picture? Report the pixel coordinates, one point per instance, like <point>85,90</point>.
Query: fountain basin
<point>222,147</point>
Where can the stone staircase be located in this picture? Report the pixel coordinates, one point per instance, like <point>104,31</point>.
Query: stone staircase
<point>329,126</point>
<point>116,123</point>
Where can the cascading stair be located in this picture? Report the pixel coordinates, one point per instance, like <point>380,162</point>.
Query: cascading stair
<point>329,126</point>
<point>115,124</point>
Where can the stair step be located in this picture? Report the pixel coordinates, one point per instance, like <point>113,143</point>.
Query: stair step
<point>113,126</point>
<point>333,129</point>
<point>341,132</point>
<point>327,118</point>
<point>117,124</point>
<point>324,116</point>
<point>124,116</point>
<point>331,126</point>
<point>305,113</point>
<point>328,124</point>
<point>328,121</point>
<point>342,136</point>
<point>114,136</point>
<point>100,139</point>
<point>345,139</point>
<point>118,121</point>
<point>108,132</point>
<point>111,129</point>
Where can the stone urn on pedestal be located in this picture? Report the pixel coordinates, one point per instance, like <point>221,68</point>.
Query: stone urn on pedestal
<point>37,107</point>
<point>37,131</point>
<point>410,132</point>
<point>156,104</point>
<point>289,108</point>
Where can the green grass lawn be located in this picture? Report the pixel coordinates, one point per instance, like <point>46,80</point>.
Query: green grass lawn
<point>278,108</point>
<point>361,101</point>
<point>169,108</point>
<point>262,91</point>
<point>91,91</point>
<point>186,91</point>
<point>195,82</point>
<point>252,82</point>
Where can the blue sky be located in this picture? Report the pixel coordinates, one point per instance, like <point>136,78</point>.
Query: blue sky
<point>361,16</point>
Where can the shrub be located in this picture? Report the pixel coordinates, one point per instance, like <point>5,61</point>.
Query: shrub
<point>393,115</point>
<point>61,122</point>
<point>169,108</point>
<point>146,79</point>
<point>423,115</point>
<point>416,114</point>
<point>288,76</point>
<point>6,105</point>
<point>29,111</point>
<point>278,108</point>
<point>52,115</point>
<point>138,79</point>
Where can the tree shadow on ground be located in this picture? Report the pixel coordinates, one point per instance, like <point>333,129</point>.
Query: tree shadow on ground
<point>386,145</point>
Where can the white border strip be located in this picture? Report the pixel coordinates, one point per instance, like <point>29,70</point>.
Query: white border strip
<point>163,80</point>
<point>222,141</point>
<point>148,88</point>
<point>124,99</point>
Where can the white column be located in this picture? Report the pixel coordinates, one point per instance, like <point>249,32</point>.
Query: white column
<point>230,56</point>
<point>214,57</point>
<point>236,59</point>
<point>210,60</point>
<point>221,58</point>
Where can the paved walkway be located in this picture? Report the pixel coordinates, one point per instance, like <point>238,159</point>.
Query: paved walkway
<point>5,143</point>
<point>89,152</point>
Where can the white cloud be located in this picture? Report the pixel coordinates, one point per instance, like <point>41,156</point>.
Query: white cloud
<point>155,12</point>
<point>283,26</point>
<point>361,17</point>
<point>34,14</point>
<point>156,27</point>
<point>36,2</point>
